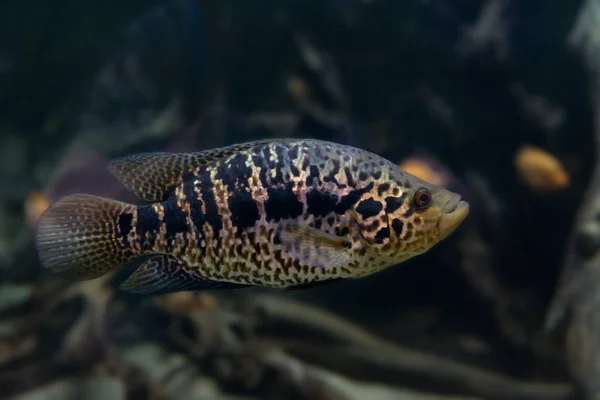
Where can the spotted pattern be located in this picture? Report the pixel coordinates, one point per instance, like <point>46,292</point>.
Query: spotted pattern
<point>228,219</point>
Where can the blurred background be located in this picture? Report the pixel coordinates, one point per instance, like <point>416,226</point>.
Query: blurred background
<point>494,99</point>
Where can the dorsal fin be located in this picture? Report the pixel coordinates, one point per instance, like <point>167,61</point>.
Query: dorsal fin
<point>152,176</point>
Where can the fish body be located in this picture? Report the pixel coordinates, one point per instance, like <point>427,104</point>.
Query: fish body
<point>276,213</point>
<point>540,170</point>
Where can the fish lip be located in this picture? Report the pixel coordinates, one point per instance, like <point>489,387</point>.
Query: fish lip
<point>454,213</point>
<point>452,204</point>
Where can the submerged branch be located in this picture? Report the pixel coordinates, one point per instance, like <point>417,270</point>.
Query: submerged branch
<point>362,354</point>
<point>579,287</point>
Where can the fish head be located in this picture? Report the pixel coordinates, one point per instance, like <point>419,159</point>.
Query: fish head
<point>415,216</point>
<point>428,214</point>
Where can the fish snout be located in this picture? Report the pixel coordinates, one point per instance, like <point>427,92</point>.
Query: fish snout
<point>453,214</point>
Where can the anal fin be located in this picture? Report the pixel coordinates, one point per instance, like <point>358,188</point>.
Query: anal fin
<point>163,274</point>
<point>302,286</point>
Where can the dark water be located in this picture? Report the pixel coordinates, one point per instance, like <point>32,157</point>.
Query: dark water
<point>463,84</point>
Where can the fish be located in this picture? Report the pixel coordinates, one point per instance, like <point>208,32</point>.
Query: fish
<point>426,167</point>
<point>34,206</point>
<point>539,170</point>
<point>276,213</point>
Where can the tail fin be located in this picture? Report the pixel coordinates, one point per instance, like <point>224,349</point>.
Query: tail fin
<point>81,236</point>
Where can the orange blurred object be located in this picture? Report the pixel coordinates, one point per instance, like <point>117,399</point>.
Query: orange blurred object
<point>298,89</point>
<point>423,170</point>
<point>540,170</point>
<point>185,302</point>
<point>36,203</point>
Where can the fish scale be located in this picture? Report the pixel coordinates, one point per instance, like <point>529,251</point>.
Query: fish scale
<point>279,213</point>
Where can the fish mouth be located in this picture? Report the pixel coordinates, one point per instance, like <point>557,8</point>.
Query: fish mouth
<point>454,213</point>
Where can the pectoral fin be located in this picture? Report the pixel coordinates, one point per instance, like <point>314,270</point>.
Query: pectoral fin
<point>312,246</point>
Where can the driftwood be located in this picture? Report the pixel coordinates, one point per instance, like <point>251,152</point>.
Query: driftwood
<point>365,356</point>
<point>294,333</point>
<point>262,344</point>
<point>579,288</point>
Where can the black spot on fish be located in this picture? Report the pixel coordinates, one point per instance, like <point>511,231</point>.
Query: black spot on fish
<point>393,203</point>
<point>382,234</point>
<point>295,171</point>
<point>124,226</point>
<point>243,208</point>
<point>373,227</point>
<point>362,176</point>
<point>369,207</point>
<point>260,162</point>
<point>409,212</point>
<point>188,176</point>
<point>148,223</point>
<point>278,165</point>
<point>314,174</point>
<point>257,156</point>
<point>351,199</point>
<point>377,174</point>
<point>168,191</point>
<point>267,156</point>
<point>234,172</point>
<point>212,216</point>
<point>305,163</point>
<point>331,176</point>
<point>282,203</point>
<point>397,226</point>
<point>384,187</point>
<point>278,178</point>
<point>317,151</point>
<point>196,213</point>
<point>349,177</point>
<point>293,152</point>
<point>124,223</point>
<point>174,219</point>
<point>320,203</point>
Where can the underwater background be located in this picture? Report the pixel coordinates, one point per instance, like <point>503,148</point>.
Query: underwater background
<point>498,100</point>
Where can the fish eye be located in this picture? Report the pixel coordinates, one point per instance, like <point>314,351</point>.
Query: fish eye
<point>422,197</point>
